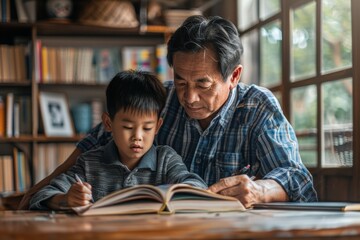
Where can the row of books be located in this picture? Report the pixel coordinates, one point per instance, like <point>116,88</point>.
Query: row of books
<point>14,172</point>
<point>96,65</point>
<point>164,72</point>
<point>48,156</point>
<point>17,10</point>
<point>5,11</point>
<point>15,115</point>
<point>15,63</point>
<point>16,120</point>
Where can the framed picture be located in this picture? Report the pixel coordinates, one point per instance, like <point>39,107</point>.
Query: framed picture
<point>55,114</point>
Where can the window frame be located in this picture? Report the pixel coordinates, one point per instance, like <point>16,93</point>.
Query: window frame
<point>319,172</point>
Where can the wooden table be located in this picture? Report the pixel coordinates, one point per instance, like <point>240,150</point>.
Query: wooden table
<point>252,224</point>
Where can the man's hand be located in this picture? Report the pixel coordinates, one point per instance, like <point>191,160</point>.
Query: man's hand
<point>248,191</point>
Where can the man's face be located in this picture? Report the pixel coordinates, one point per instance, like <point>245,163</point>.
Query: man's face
<point>133,134</point>
<point>200,87</point>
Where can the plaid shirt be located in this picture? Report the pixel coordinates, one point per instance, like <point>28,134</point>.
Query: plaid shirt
<point>102,169</point>
<point>249,129</point>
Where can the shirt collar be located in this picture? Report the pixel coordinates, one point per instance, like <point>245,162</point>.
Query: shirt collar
<point>149,160</point>
<point>223,115</point>
<point>227,110</point>
<point>111,156</point>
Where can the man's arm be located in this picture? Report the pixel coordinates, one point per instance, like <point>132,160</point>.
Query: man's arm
<point>70,161</point>
<point>249,191</point>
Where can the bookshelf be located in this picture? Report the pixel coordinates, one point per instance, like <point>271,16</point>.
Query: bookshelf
<point>42,44</point>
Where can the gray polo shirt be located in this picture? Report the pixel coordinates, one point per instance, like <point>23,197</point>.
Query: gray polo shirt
<point>103,170</point>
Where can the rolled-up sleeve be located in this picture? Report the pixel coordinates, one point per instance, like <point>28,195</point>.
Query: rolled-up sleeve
<point>278,153</point>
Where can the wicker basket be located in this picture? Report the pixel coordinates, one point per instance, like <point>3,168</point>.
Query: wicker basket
<point>109,13</point>
<point>175,17</point>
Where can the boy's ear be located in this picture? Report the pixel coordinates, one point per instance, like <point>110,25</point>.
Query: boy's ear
<point>159,123</point>
<point>106,121</point>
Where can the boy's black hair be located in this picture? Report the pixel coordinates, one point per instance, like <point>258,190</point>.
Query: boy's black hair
<point>137,91</point>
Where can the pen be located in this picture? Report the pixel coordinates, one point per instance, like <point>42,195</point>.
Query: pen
<point>244,170</point>
<point>78,179</point>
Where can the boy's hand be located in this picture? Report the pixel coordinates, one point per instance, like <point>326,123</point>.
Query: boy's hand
<point>79,195</point>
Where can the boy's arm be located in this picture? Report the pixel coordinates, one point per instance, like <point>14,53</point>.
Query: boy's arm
<point>177,172</point>
<point>64,190</point>
<point>70,161</point>
<point>78,195</point>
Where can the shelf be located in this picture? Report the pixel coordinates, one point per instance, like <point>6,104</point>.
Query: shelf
<point>45,139</point>
<point>27,138</point>
<point>15,28</point>
<point>53,28</point>
<point>24,83</point>
<point>72,85</point>
<point>58,28</point>
<point>41,138</point>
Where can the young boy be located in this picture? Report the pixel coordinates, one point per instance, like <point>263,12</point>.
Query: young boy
<point>134,102</point>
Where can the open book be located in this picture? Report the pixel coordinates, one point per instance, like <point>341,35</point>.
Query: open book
<point>160,199</point>
<point>317,206</point>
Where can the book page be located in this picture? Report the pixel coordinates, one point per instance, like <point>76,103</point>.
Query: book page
<point>183,191</point>
<point>185,198</point>
<point>133,207</point>
<point>204,205</point>
<point>129,194</point>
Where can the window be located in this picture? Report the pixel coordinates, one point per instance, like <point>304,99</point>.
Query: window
<point>302,50</point>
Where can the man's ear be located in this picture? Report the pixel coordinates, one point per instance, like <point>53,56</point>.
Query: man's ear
<point>235,76</point>
<point>159,124</point>
<point>106,121</point>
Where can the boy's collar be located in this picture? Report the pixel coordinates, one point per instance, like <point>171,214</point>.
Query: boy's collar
<point>147,161</point>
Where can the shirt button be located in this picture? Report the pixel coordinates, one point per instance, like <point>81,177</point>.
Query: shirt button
<point>198,161</point>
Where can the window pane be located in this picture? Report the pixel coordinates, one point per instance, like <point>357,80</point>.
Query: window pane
<point>250,57</point>
<point>303,52</point>
<point>278,97</point>
<point>336,35</point>
<point>269,8</point>
<point>270,54</point>
<point>303,118</point>
<point>247,16</point>
<point>337,118</point>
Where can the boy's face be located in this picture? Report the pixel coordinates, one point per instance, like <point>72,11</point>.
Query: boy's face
<point>133,134</point>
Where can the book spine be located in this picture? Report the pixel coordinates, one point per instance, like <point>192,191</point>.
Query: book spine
<point>9,114</point>
<point>38,62</point>
<point>2,117</point>
<point>20,10</point>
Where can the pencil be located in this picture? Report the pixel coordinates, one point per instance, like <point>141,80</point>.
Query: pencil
<point>78,179</point>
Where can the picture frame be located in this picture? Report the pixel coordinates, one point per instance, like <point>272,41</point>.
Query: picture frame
<point>55,114</point>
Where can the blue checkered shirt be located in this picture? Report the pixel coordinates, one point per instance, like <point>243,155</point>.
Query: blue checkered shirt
<point>249,129</point>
